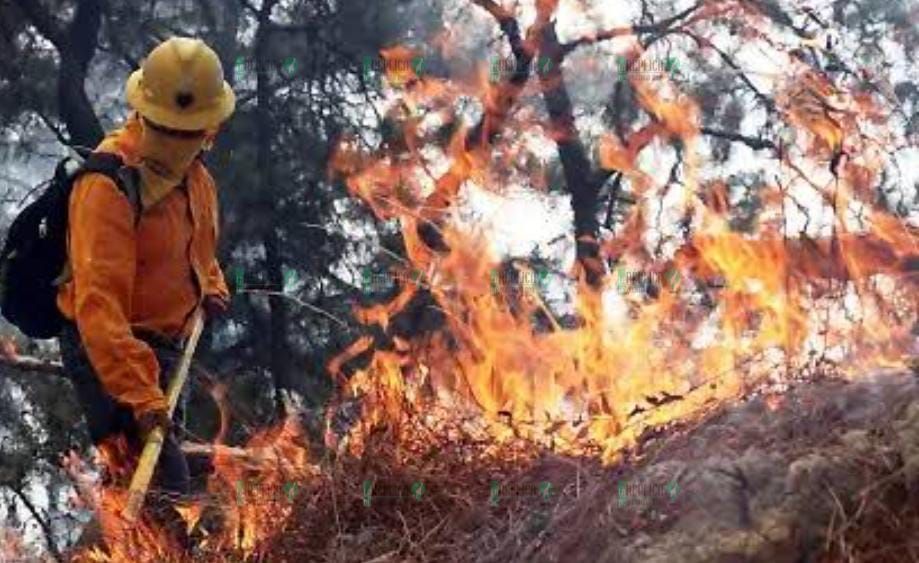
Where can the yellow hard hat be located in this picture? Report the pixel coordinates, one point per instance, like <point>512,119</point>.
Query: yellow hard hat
<point>180,85</point>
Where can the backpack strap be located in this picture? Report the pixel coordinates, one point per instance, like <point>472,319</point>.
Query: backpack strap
<point>127,178</point>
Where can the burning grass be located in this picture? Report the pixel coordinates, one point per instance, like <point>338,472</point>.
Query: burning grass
<point>398,522</point>
<point>331,515</point>
<point>764,473</point>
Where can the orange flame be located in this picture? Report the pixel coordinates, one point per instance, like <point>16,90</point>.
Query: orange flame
<point>658,360</point>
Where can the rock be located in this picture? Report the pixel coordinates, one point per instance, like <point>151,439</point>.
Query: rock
<point>754,484</point>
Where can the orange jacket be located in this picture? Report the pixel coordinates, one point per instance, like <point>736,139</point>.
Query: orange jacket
<point>151,277</point>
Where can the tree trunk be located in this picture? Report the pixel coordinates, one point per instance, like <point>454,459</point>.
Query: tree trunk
<point>73,104</point>
<point>279,351</point>
<point>576,167</point>
<point>76,47</point>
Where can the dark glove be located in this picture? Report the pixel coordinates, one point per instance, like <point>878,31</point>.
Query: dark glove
<point>214,306</point>
<point>150,420</point>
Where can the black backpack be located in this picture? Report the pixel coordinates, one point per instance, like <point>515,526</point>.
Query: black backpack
<point>35,252</point>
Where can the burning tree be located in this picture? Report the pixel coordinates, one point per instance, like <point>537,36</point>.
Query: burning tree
<point>821,279</point>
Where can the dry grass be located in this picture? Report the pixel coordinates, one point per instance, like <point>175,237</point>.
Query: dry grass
<point>882,524</point>
<point>455,518</point>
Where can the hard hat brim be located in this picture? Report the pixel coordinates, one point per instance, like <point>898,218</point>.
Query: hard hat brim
<point>207,118</point>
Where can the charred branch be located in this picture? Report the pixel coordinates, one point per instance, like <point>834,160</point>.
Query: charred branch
<point>755,143</point>
<point>493,119</point>
<point>767,102</point>
<point>43,522</point>
<point>485,131</point>
<point>664,26</point>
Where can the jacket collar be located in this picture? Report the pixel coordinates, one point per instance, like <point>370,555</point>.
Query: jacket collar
<point>125,142</point>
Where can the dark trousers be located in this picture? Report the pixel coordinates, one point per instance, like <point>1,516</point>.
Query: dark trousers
<point>106,418</point>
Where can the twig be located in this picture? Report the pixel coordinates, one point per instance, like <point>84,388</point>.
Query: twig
<point>335,508</point>
<point>659,27</point>
<point>408,533</point>
<point>257,457</point>
<point>432,530</point>
<point>385,557</point>
<point>840,510</point>
<point>755,143</point>
<point>309,306</point>
<point>28,363</point>
<point>45,526</point>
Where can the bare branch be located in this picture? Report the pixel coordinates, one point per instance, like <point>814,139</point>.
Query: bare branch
<point>765,100</point>
<point>491,122</point>
<point>303,304</point>
<point>28,363</point>
<point>493,118</point>
<point>47,532</point>
<point>248,5</point>
<point>255,458</point>
<point>659,27</point>
<point>755,143</point>
<point>54,128</point>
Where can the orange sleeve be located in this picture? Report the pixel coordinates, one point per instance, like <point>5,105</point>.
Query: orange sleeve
<point>102,256</point>
<point>216,285</point>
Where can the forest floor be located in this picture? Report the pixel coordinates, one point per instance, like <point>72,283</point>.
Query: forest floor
<point>826,471</point>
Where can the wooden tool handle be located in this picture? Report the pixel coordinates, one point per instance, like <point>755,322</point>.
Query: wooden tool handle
<point>140,482</point>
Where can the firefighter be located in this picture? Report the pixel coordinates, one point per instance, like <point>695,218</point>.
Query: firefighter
<point>139,272</point>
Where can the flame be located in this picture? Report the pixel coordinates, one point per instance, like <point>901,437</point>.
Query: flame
<point>776,299</point>
<point>402,65</point>
<point>812,103</point>
<point>252,490</point>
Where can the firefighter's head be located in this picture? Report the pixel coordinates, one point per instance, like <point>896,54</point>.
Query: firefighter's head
<point>182,99</point>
